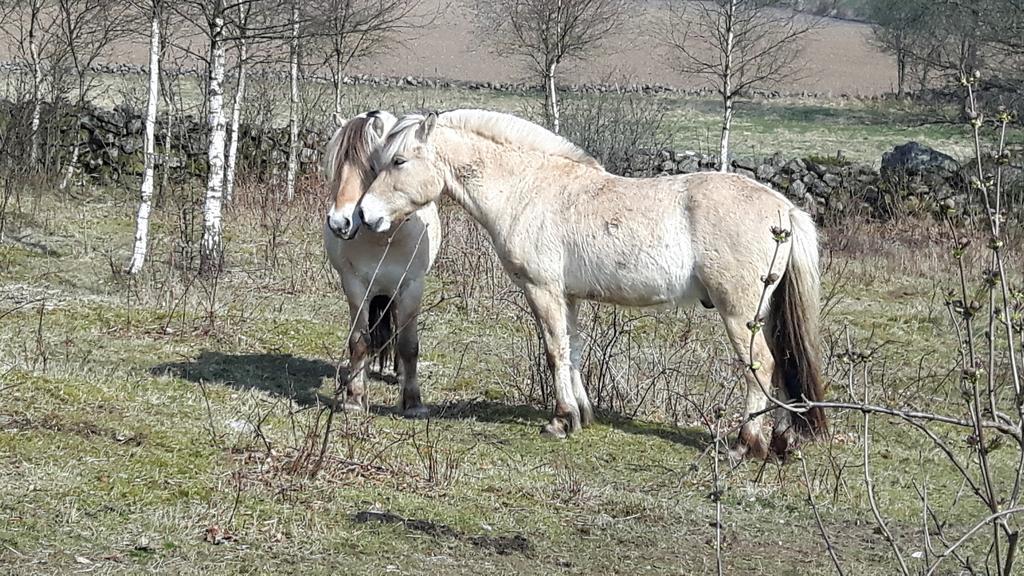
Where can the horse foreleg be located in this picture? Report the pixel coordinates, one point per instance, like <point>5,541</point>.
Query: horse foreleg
<point>757,373</point>
<point>550,309</point>
<point>356,397</point>
<point>575,357</point>
<point>407,310</point>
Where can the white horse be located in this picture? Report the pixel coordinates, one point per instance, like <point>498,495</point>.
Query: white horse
<point>382,274</point>
<point>566,230</point>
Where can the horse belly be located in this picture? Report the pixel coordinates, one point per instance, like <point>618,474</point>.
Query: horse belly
<point>646,276</point>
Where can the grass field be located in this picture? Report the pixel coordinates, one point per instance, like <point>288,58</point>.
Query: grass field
<point>172,425</point>
<point>175,425</point>
<point>862,129</point>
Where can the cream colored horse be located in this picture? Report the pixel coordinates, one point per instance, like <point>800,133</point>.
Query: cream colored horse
<point>566,230</point>
<point>382,274</point>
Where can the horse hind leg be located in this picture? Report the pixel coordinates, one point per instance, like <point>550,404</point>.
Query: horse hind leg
<point>575,356</point>
<point>752,350</point>
<point>407,310</point>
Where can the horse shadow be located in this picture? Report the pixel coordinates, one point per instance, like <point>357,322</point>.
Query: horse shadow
<point>302,380</point>
<point>501,413</point>
<point>299,379</point>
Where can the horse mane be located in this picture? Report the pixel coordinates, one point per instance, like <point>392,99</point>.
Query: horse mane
<point>354,143</point>
<point>497,127</point>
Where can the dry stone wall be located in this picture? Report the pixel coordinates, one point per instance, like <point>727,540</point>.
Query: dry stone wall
<point>912,177</point>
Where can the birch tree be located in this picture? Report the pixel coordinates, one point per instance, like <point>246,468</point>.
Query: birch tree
<point>293,108</point>
<point>548,33</point>
<point>149,147</point>
<point>37,79</point>
<point>242,43</point>
<point>900,27</point>
<point>737,46</point>
<point>86,31</point>
<point>213,20</point>
<point>211,251</point>
<point>349,30</point>
<point>31,27</point>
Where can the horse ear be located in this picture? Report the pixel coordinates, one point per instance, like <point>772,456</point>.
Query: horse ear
<point>378,126</point>
<point>426,127</point>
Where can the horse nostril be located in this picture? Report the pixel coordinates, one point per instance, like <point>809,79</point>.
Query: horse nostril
<point>339,225</point>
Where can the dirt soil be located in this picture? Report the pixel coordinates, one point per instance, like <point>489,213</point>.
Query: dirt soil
<point>839,57</point>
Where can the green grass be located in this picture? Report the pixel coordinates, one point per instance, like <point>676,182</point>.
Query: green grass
<point>134,419</point>
<point>862,129</point>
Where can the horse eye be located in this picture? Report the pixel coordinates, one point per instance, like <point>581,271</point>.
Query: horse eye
<point>399,161</point>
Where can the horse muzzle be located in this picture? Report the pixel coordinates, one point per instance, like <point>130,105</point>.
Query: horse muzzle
<point>342,227</point>
<point>382,224</point>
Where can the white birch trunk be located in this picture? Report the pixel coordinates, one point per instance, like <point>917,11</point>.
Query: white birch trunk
<point>70,172</point>
<point>146,193</point>
<point>168,131</point>
<point>337,100</point>
<point>211,248</point>
<point>552,98</point>
<point>37,83</point>
<point>726,128</point>
<point>236,120</point>
<point>293,143</point>
<point>727,96</point>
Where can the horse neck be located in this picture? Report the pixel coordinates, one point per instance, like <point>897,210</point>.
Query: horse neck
<point>484,178</point>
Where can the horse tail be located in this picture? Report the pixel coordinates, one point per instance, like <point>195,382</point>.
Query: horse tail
<point>793,330</point>
<point>381,329</point>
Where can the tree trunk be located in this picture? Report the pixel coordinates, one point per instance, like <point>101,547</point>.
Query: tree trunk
<point>723,150</point>
<point>338,76</point>
<point>727,95</point>
<point>165,173</point>
<point>236,120</point>
<point>337,103</point>
<point>70,171</point>
<point>168,98</point>
<point>901,74</point>
<point>901,67</point>
<point>145,202</point>
<point>37,83</point>
<point>293,142</point>
<point>211,252</point>
<point>551,98</point>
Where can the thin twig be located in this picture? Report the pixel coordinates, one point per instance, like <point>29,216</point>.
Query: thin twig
<point>869,483</point>
<point>991,518</point>
<point>817,517</point>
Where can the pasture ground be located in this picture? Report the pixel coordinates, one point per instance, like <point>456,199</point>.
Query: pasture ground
<point>170,424</point>
<point>861,128</point>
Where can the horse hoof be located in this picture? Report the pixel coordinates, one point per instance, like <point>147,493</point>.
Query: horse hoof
<point>735,454</point>
<point>554,430</point>
<point>586,417</point>
<point>750,444</point>
<point>416,412</point>
<point>783,443</point>
<point>353,406</point>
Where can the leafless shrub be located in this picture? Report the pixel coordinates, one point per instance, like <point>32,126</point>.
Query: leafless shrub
<point>547,34</point>
<point>981,439</point>
<point>622,130</point>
